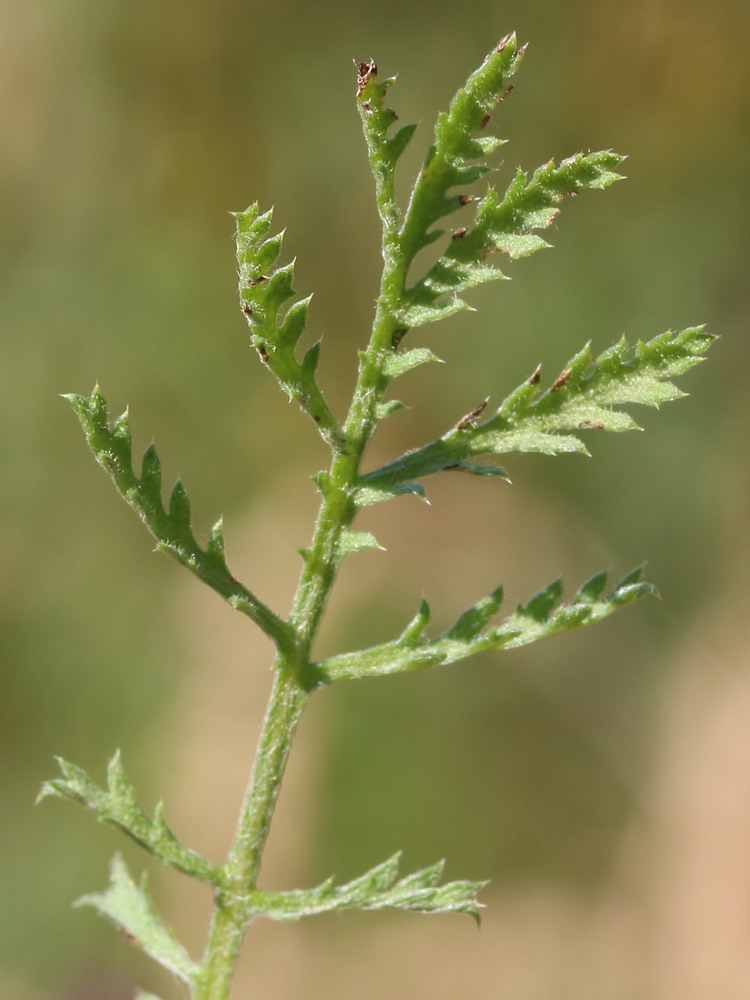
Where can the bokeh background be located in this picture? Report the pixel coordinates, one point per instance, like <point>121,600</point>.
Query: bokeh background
<point>601,779</point>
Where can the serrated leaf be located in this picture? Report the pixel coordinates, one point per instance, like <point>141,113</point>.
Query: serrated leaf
<point>118,807</point>
<point>130,908</point>
<point>263,291</point>
<point>377,889</point>
<point>501,224</point>
<point>585,396</point>
<point>171,528</point>
<point>542,616</point>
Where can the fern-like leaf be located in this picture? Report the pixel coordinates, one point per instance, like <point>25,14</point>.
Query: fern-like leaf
<point>129,907</point>
<point>544,615</point>
<point>585,396</point>
<point>117,806</point>
<point>378,889</point>
<point>456,158</point>
<point>264,289</point>
<point>504,225</point>
<point>171,527</point>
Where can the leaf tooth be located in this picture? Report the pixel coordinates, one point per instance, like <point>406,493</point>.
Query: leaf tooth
<point>412,634</point>
<point>215,545</point>
<point>151,474</point>
<point>294,321</point>
<point>179,506</point>
<point>592,589</point>
<point>471,622</point>
<point>278,288</point>
<point>540,606</point>
<point>630,578</point>
<point>310,360</point>
<point>120,787</point>
<point>425,878</point>
<point>259,258</point>
<point>400,140</point>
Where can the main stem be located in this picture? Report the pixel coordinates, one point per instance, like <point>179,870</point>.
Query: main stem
<point>234,901</point>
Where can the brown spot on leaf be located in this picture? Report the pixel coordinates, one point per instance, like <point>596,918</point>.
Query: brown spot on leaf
<point>561,380</point>
<point>485,118</point>
<point>262,353</point>
<point>591,425</point>
<point>467,199</point>
<point>459,233</point>
<point>467,420</point>
<point>533,379</point>
<point>508,90</point>
<point>365,70</point>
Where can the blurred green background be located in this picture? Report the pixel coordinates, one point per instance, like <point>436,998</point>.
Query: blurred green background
<point>601,779</point>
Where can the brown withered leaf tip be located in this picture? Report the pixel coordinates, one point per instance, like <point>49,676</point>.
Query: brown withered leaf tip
<point>467,199</point>
<point>560,381</point>
<point>468,418</point>
<point>364,71</point>
<point>533,379</point>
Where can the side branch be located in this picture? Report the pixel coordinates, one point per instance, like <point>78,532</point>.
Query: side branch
<point>112,448</point>
<point>542,616</point>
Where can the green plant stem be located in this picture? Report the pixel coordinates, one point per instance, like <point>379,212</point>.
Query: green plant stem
<point>233,903</point>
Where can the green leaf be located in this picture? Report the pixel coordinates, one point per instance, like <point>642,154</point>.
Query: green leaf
<point>118,807</point>
<point>171,528</point>
<point>397,364</point>
<point>366,495</point>
<point>504,224</point>
<point>544,615</point>
<point>263,291</point>
<point>356,541</point>
<point>129,907</point>
<point>146,996</point>
<point>378,889</point>
<point>585,396</point>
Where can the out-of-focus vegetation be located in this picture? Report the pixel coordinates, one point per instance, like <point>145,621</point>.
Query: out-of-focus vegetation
<point>581,774</point>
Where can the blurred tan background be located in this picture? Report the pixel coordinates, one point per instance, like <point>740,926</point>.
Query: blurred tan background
<point>600,779</point>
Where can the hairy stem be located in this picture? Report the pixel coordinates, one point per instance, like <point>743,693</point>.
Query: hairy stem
<point>233,904</point>
<point>294,678</point>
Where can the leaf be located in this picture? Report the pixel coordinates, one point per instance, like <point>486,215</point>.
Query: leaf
<point>129,907</point>
<point>398,364</point>
<point>585,396</point>
<point>172,529</point>
<point>146,996</point>
<point>366,495</point>
<point>263,291</point>
<point>118,806</point>
<point>543,615</point>
<point>356,541</point>
<point>378,889</point>
<point>504,224</point>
